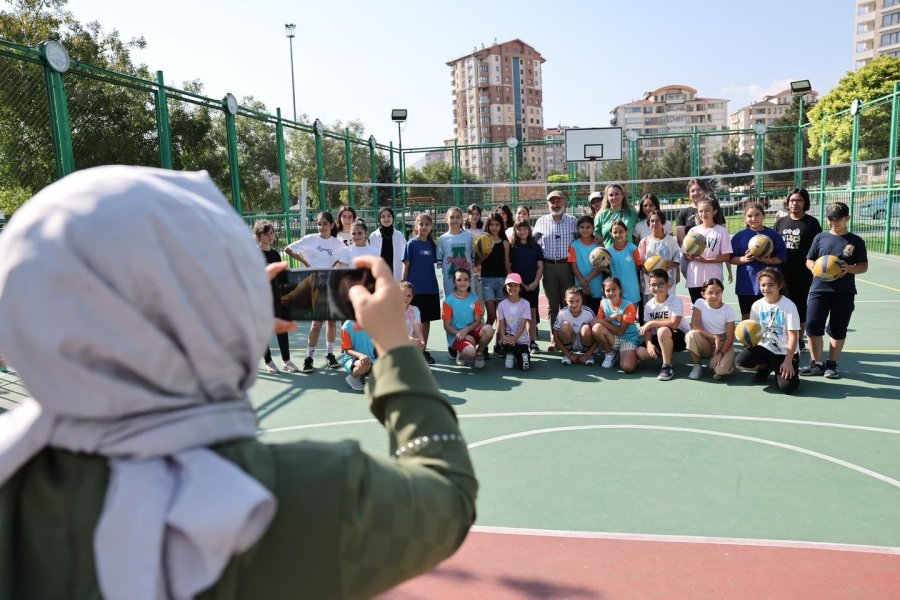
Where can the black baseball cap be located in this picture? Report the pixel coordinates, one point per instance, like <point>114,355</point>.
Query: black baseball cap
<point>838,210</point>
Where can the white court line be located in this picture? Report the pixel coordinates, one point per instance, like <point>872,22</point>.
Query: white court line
<point>875,301</point>
<point>837,461</point>
<point>503,415</point>
<point>688,539</point>
<point>884,258</point>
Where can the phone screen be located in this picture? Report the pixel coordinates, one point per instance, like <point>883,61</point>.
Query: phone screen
<point>321,294</point>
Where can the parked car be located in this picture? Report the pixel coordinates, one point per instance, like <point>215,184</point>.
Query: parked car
<point>876,209</point>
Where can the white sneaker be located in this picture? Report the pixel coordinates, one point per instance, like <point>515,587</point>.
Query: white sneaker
<point>460,360</point>
<point>566,360</point>
<point>355,382</point>
<point>609,360</point>
<point>271,369</point>
<point>479,361</point>
<point>290,367</point>
<point>589,361</point>
<point>696,372</point>
<point>510,361</point>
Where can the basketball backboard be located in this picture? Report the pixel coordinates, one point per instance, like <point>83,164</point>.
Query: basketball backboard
<point>595,143</point>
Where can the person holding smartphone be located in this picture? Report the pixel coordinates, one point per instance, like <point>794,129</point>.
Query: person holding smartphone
<point>138,453</point>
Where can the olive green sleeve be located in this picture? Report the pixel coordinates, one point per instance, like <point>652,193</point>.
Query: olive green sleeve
<point>406,513</point>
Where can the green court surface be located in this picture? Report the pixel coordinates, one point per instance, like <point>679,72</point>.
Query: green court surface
<point>578,451</point>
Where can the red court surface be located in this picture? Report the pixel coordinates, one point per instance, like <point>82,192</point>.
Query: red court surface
<point>508,566</point>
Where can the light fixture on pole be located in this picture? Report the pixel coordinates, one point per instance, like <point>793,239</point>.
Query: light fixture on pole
<point>289,33</point>
<point>399,115</point>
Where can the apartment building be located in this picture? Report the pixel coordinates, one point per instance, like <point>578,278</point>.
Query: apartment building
<point>768,111</point>
<point>877,31</point>
<point>497,95</point>
<point>673,109</point>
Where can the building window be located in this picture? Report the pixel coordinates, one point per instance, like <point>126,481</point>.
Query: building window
<point>889,39</point>
<point>889,3</point>
<point>890,19</point>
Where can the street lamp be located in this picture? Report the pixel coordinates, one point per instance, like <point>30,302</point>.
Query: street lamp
<point>289,33</point>
<point>799,88</point>
<point>399,115</point>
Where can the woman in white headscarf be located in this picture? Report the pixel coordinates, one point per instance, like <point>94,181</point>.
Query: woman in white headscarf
<point>135,308</point>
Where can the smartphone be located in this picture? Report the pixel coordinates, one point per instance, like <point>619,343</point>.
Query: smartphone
<point>320,294</point>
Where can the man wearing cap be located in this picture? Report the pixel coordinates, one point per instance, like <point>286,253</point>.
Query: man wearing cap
<point>554,232</point>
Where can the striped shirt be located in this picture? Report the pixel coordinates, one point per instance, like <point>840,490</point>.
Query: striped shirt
<point>555,236</point>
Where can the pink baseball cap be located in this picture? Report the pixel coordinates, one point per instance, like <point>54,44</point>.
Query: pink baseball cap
<point>513,278</point>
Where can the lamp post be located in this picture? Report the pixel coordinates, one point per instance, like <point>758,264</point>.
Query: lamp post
<point>289,33</point>
<point>799,88</point>
<point>399,116</point>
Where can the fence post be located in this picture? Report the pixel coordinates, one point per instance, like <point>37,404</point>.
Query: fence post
<point>514,175</point>
<point>60,127</point>
<point>695,152</point>
<point>854,156</point>
<point>632,161</point>
<point>404,194</point>
<point>457,174</point>
<point>573,177</point>
<point>348,158</point>
<point>892,166</point>
<point>823,177</point>
<point>373,171</point>
<point>759,164</point>
<point>393,177</point>
<point>318,129</point>
<point>162,123</point>
<point>282,163</point>
<point>231,108</point>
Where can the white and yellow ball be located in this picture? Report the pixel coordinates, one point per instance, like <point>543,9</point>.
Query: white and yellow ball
<point>827,268</point>
<point>655,262</point>
<point>761,246</point>
<point>748,332</point>
<point>483,244</point>
<point>600,258</point>
<point>693,244</point>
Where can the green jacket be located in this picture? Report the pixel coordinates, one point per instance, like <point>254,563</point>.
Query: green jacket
<point>349,525</point>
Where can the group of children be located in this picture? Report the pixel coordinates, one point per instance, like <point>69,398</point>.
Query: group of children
<point>622,310</point>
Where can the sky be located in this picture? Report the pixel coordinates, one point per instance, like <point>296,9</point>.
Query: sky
<point>356,60</point>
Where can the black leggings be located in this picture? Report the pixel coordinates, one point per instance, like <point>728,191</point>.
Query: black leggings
<point>283,344</point>
<point>762,359</point>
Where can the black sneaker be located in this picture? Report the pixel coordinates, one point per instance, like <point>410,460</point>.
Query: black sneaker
<point>761,376</point>
<point>813,368</point>
<point>307,365</point>
<point>534,347</point>
<point>831,370</point>
<point>499,351</point>
<point>428,357</point>
<point>451,352</point>
<point>331,361</point>
<point>666,373</point>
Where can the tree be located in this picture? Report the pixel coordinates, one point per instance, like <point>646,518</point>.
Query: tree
<point>872,81</point>
<point>727,161</point>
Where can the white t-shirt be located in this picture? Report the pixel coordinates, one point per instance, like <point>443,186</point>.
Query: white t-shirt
<point>665,310</point>
<point>352,251</point>
<point>345,237</point>
<point>668,248</point>
<point>513,313</point>
<point>714,320</point>
<point>319,252</point>
<point>413,316</point>
<point>776,320</point>
<point>642,230</point>
<point>585,317</point>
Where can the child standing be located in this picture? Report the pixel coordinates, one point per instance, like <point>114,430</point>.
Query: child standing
<point>359,354</point>
<point>345,217</point>
<point>512,329</point>
<point>320,250</point>
<point>777,350</point>
<point>659,243</point>
<point>664,329</point>
<point>463,316</point>
<point>712,332</point>
<point>359,243</point>
<point>746,287</point>
<point>527,259</point>
<point>833,300</point>
<point>588,277</point>
<point>413,317</point>
<point>494,268</point>
<point>615,327</point>
<point>454,249</point>
<point>572,329</point>
<point>626,261</point>
<point>419,260</point>
<point>708,264</point>
<point>265,239</point>
<point>474,225</point>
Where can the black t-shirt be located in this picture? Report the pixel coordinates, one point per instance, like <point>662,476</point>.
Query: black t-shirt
<point>687,218</point>
<point>850,248</point>
<point>273,256</point>
<point>798,235</point>
<point>494,265</point>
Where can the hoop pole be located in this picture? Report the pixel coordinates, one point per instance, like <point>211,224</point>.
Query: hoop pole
<point>592,170</point>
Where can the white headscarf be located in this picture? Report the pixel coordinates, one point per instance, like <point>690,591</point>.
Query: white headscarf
<point>135,306</point>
